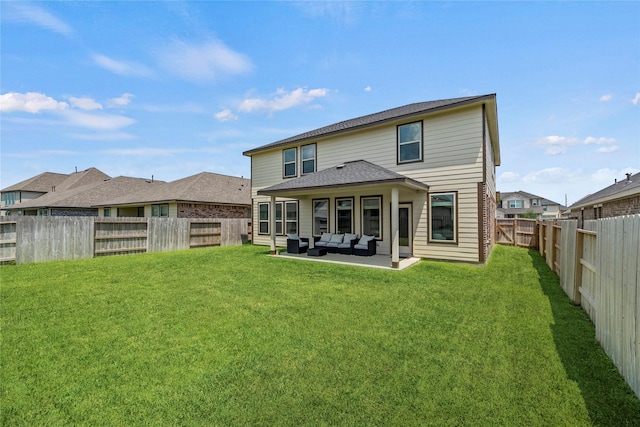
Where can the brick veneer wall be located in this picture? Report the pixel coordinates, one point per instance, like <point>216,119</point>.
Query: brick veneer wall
<point>488,221</point>
<point>202,210</point>
<point>629,206</point>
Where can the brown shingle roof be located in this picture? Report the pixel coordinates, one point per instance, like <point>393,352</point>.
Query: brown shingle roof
<point>622,188</point>
<point>374,119</point>
<point>205,187</point>
<point>38,184</point>
<point>88,195</point>
<point>356,173</point>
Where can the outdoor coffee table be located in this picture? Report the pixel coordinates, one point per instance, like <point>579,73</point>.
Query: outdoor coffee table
<point>317,252</point>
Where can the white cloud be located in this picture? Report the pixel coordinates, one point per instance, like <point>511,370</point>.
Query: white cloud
<point>23,12</point>
<point>282,100</point>
<point>30,102</point>
<point>509,176</point>
<point>120,67</point>
<point>226,115</point>
<point>204,62</point>
<point>636,99</point>
<point>85,103</point>
<point>367,89</point>
<point>610,149</point>
<point>121,101</point>
<point>556,144</point>
<point>605,98</point>
<point>601,140</point>
<point>97,121</point>
<point>109,136</point>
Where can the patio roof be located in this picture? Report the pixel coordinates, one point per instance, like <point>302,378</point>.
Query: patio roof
<point>349,174</point>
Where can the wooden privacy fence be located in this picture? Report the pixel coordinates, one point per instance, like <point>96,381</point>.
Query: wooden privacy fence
<point>32,239</point>
<point>518,232</point>
<point>599,270</point>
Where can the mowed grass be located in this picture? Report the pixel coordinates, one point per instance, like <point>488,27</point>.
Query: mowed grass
<point>230,336</point>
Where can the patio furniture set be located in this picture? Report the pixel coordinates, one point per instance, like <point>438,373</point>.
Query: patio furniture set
<point>346,244</point>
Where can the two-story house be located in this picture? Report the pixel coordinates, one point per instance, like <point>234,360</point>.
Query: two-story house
<point>520,204</point>
<point>420,178</point>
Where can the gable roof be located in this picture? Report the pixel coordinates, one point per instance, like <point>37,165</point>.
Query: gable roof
<point>355,173</point>
<point>625,188</point>
<point>84,196</point>
<point>505,195</point>
<point>205,187</point>
<point>41,183</point>
<point>406,111</point>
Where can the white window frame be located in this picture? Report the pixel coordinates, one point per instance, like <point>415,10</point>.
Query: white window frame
<point>418,141</point>
<point>293,162</point>
<point>305,160</point>
<point>513,204</point>
<point>160,212</point>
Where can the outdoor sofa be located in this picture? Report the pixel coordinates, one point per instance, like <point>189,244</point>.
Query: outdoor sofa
<point>296,244</point>
<point>347,244</point>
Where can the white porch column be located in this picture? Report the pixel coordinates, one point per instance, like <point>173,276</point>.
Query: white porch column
<point>395,228</point>
<point>272,224</point>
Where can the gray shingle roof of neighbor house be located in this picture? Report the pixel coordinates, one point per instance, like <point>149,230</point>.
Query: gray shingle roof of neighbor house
<point>406,111</point>
<point>205,187</point>
<point>85,196</point>
<point>504,195</point>
<point>42,183</point>
<point>355,173</point>
<point>629,186</point>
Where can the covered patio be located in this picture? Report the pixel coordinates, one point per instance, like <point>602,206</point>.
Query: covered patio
<point>376,261</point>
<point>356,178</point>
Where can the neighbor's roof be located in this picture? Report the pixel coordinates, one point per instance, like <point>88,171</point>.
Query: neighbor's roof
<point>205,187</point>
<point>85,196</point>
<point>506,195</point>
<point>38,184</point>
<point>621,189</point>
<point>348,174</point>
<point>390,115</point>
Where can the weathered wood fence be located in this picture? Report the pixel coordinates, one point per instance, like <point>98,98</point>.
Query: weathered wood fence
<point>518,232</point>
<point>599,269</point>
<point>32,239</point>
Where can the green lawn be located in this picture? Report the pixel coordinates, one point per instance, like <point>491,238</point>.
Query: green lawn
<point>230,336</point>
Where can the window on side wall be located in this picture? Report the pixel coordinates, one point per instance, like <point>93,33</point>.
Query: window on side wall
<point>443,223</point>
<point>344,215</point>
<point>160,210</point>
<point>289,166</point>
<point>320,216</point>
<point>308,154</point>
<point>107,212</point>
<point>372,216</point>
<point>515,204</point>
<point>410,142</point>
<point>263,218</point>
<point>291,217</point>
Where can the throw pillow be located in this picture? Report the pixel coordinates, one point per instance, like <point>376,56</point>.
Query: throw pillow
<point>326,237</point>
<point>336,238</point>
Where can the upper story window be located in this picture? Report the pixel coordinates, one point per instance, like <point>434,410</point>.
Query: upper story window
<point>308,153</point>
<point>410,142</point>
<point>289,164</point>
<point>515,204</point>
<point>10,198</point>
<point>534,202</point>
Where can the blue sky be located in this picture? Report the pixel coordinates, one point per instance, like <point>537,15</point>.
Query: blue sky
<point>171,89</point>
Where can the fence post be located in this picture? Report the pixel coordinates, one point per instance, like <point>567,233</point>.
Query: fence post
<point>578,268</point>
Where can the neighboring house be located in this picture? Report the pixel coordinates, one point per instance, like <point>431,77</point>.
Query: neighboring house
<point>520,204</point>
<point>53,194</point>
<point>420,178</point>
<point>621,198</point>
<point>29,189</point>
<point>205,195</point>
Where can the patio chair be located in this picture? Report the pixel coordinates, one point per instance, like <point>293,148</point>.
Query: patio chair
<point>366,246</point>
<point>296,244</point>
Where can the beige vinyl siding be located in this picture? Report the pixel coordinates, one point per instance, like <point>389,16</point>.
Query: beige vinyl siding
<point>453,162</point>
